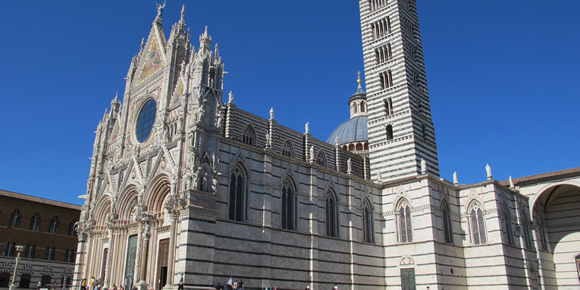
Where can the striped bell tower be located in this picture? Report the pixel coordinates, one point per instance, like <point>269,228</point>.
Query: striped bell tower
<point>401,132</point>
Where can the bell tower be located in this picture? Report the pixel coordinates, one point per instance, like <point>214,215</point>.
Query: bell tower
<point>401,132</point>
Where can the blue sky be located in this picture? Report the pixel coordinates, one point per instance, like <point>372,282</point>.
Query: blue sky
<point>502,78</point>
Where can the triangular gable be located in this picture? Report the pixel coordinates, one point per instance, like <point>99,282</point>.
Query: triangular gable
<point>152,60</point>
<point>153,57</point>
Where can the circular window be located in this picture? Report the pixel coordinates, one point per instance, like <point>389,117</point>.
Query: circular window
<point>146,120</point>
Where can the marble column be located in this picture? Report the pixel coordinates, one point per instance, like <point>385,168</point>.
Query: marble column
<point>170,259</point>
<point>146,236</point>
<point>107,281</point>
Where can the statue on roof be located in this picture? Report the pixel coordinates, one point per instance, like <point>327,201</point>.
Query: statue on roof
<point>160,9</point>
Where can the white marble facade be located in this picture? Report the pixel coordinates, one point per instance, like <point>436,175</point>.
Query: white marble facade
<point>182,182</point>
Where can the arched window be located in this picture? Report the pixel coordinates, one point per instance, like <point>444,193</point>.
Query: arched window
<point>238,199</point>
<point>54,225</point>
<point>9,249</point>
<point>405,228</point>
<point>526,227</point>
<point>15,218</point>
<point>30,251</point>
<point>508,224</point>
<point>447,222</point>
<point>368,222</point>
<point>355,107</point>
<point>477,225</point>
<point>49,253</point>
<point>362,106</point>
<point>71,228</point>
<point>389,132</point>
<point>24,281</point>
<point>249,136</point>
<point>331,215</point>
<point>388,106</point>
<point>321,159</point>
<point>288,206</point>
<point>35,222</point>
<point>287,149</point>
<point>69,256</point>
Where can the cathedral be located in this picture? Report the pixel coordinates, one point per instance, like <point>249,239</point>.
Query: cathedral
<point>185,188</point>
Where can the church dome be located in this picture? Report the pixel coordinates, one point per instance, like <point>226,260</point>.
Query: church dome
<point>352,130</point>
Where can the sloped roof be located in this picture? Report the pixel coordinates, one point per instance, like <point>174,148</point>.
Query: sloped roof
<point>39,200</point>
<point>547,175</point>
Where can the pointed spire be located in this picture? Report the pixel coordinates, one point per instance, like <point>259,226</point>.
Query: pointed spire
<point>217,53</point>
<point>142,43</point>
<point>181,23</point>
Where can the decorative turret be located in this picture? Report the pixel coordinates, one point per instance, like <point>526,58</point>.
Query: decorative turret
<point>358,101</point>
<point>115,105</point>
<point>204,42</point>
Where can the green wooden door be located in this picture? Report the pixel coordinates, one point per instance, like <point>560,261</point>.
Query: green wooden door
<point>408,279</point>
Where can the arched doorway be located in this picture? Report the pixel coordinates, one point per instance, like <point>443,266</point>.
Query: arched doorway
<point>556,215</point>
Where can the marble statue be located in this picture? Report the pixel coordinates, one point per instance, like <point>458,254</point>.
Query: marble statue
<point>349,166</point>
<point>271,113</point>
<point>231,98</point>
<point>488,170</point>
<point>423,166</point>
<point>307,128</point>
<point>455,181</point>
<point>512,186</point>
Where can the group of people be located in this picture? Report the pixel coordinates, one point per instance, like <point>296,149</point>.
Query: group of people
<point>231,285</point>
<point>95,284</point>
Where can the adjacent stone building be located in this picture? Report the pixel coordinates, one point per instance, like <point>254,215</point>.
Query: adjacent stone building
<point>46,231</point>
<point>185,185</point>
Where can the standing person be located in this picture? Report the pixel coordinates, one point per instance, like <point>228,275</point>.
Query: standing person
<point>307,287</point>
<point>335,287</point>
<point>236,285</point>
<point>39,285</point>
<point>114,286</point>
<point>92,283</point>
<point>121,287</point>
<point>84,284</point>
<point>230,283</point>
<point>180,284</point>
<point>241,284</point>
<point>54,285</point>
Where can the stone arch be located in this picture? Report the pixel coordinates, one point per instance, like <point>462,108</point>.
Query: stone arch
<point>160,187</point>
<point>102,209</point>
<point>559,204</point>
<point>127,201</point>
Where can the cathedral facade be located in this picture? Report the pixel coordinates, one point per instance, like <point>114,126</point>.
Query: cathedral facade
<point>185,186</point>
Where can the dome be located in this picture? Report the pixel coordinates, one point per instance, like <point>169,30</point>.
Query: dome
<point>352,130</point>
